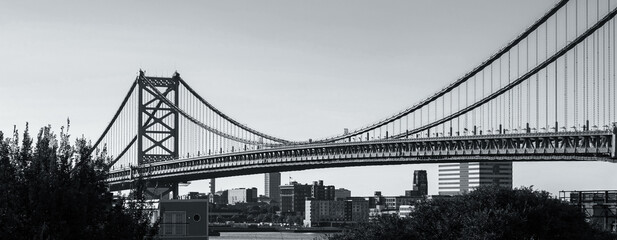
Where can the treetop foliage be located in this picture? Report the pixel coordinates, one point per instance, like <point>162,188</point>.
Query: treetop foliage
<point>46,194</point>
<point>489,212</point>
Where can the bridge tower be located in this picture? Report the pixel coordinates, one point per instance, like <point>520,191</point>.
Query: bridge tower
<point>158,127</point>
<point>158,122</point>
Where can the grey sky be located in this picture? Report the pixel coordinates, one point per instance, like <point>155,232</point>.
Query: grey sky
<point>293,69</point>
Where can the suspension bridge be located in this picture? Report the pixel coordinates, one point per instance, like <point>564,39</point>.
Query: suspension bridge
<point>548,95</point>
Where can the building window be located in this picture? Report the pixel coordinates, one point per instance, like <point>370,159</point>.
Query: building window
<point>196,218</point>
<point>174,223</point>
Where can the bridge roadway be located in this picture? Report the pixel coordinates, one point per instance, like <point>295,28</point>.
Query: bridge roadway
<point>554,146</point>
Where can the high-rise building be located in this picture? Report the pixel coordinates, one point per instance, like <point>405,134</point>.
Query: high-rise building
<point>341,194</point>
<point>293,196</point>
<point>326,213</point>
<point>212,186</point>
<point>241,195</point>
<point>459,178</point>
<point>272,185</point>
<point>220,197</point>
<point>321,192</point>
<point>420,182</point>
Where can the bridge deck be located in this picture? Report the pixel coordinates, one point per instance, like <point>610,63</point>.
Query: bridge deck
<point>562,146</point>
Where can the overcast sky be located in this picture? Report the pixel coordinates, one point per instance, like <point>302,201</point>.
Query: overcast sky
<point>292,69</point>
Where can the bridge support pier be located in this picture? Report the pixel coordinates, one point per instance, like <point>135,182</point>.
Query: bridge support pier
<point>162,191</point>
<point>174,188</point>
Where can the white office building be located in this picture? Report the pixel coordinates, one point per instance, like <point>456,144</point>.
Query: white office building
<point>458,178</point>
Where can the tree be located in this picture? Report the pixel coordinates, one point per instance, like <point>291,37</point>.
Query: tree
<point>236,218</point>
<point>499,213</point>
<point>385,227</point>
<point>489,212</point>
<point>275,218</point>
<point>289,219</point>
<point>260,217</point>
<point>253,209</point>
<point>298,220</point>
<point>250,218</point>
<point>272,208</point>
<point>52,190</point>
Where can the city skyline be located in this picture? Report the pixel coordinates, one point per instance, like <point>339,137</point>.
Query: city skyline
<point>297,71</point>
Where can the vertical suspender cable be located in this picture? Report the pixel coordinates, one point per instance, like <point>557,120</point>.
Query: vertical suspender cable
<point>211,135</point>
<point>546,75</point>
<point>609,68</point>
<point>190,127</point>
<point>473,113</point>
<point>428,115</point>
<point>565,85</point>
<point>421,119</point>
<point>555,63</point>
<point>400,126</point>
<point>537,86</point>
<point>133,126</point>
<point>491,111</point>
<point>609,72</point>
<point>604,51</point>
<point>195,127</point>
<point>413,121</point>
<point>209,124</point>
<point>519,88</point>
<point>528,83</point>
<point>218,148</point>
<point>200,112</point>
<point>466,104</point>
<point>436,127</point>
<point>595,70</point>
<point>451,93</point>
<point>435,115</point>
<point>483,109</point>
<point>509,96</point>
<point>576,67</point>
<point>185,127</point>
<point>585,68</point>
<point>502,97</point>
<point>516,90</point>
<point>598,63</point>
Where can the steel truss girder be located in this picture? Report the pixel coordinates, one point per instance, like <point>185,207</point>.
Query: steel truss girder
<point>568,146</point>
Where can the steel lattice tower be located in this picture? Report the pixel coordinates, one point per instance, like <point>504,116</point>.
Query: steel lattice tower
<point>158,122</point>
